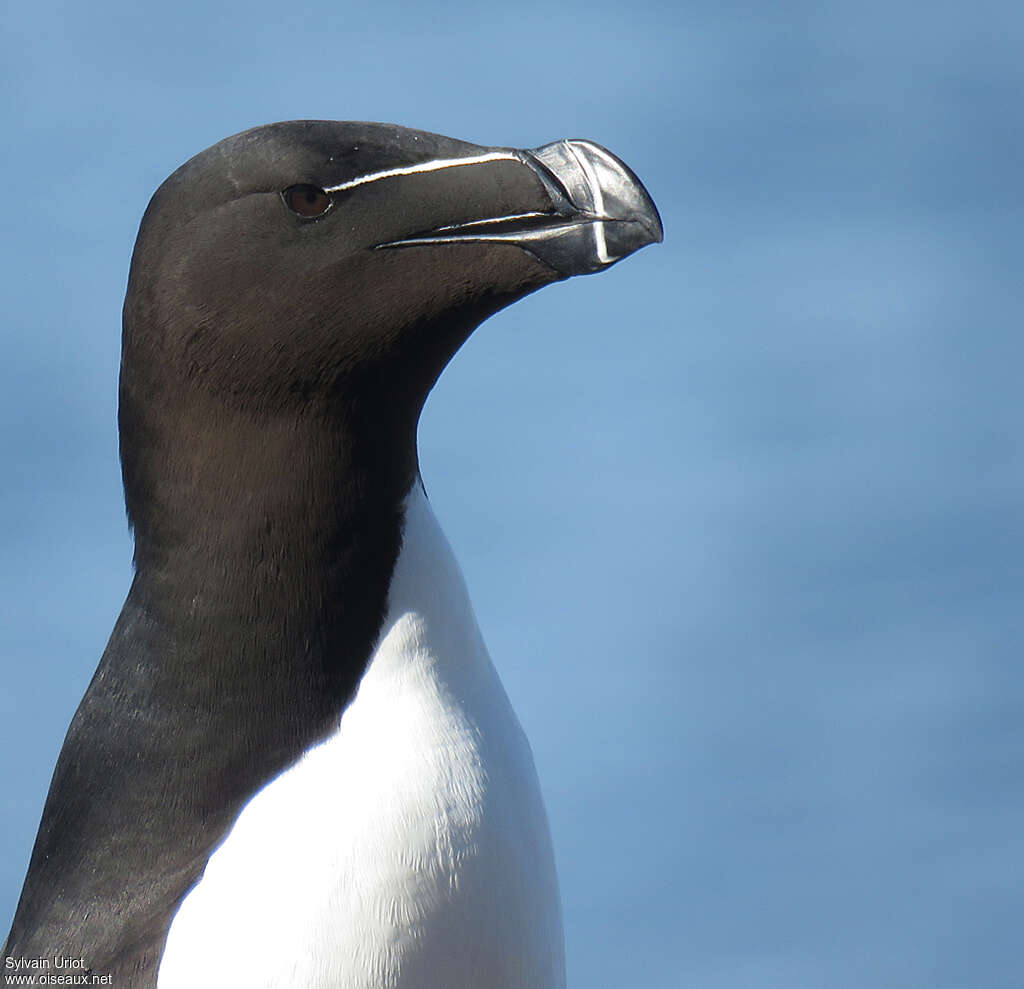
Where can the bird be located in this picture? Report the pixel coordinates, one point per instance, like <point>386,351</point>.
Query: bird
<point>296,765</point>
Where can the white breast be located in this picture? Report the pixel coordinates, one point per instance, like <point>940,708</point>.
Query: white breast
<point>410,850</point>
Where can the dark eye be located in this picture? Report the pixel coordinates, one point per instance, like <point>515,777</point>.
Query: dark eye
<point>306,200</point>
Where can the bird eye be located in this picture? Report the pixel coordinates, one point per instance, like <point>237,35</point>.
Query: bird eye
<point>306,200</point>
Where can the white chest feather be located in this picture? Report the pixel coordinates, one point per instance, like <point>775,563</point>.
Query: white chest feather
<point>410,850</point>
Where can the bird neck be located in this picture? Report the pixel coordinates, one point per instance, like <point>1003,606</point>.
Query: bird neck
<point>265,544</point>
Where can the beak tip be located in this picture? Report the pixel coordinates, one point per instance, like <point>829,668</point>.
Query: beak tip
<point>597,183</point>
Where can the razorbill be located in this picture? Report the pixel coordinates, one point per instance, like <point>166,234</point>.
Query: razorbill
<point>295,765</point>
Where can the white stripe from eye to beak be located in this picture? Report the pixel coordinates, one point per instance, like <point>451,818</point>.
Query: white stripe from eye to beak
<point>424,166</point>
<point>600,244</point>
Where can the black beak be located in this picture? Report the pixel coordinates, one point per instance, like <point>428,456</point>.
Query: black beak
<point>600,212</point>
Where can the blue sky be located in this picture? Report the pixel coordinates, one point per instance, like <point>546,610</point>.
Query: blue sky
<point>743,518</point>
